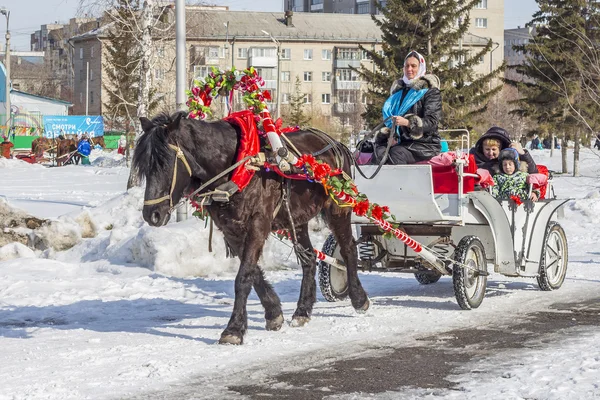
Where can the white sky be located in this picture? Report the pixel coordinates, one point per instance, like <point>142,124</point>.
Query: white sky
<point>27,16</point>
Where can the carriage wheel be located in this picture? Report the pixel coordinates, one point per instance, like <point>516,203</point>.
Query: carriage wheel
<point>469,284</point>
<point>427,277</point>
<point>555,254</point>
<point>332,281</point>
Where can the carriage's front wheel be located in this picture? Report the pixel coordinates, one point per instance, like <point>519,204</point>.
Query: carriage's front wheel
<point>469,275</point>
<point>332,281</point>
<point>553,264</point>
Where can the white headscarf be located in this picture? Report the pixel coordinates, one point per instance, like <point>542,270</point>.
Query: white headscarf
<point>420,72</point>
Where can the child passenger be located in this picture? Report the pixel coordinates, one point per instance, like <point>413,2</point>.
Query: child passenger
<point>512,180</point>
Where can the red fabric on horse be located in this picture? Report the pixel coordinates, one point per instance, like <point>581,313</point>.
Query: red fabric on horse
<point>249,145</point>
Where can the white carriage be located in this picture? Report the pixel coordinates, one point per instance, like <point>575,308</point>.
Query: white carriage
<point>468,231</point>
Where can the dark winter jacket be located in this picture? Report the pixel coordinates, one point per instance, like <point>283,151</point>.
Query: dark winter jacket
<point>492,165</point>
<point>424,117</point>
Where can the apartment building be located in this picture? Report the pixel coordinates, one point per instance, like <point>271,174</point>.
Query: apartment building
<point>319,49</point>
<point>516,37</point>
<point>486,22</point>
<point>53,41</point>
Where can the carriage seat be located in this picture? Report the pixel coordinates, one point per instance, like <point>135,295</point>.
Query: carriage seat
<point>540,180</point>
<point>445,177</point>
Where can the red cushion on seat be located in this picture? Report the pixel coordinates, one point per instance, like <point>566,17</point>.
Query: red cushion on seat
<point>542,169</point>
<point>445,178</point>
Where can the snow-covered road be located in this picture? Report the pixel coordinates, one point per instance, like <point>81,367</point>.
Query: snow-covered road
<point>139,309</point>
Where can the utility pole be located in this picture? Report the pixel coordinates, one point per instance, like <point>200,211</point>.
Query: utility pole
<point>180,54</point>
<point>87,87</point>
<point>6,13</point>
<point>277,94</point>
<point>180,80</point>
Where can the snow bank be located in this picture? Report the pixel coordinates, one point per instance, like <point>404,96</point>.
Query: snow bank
<point>15,250</point>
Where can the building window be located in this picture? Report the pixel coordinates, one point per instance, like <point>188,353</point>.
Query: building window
<point>307,76</point>
<point>92,52</point>
<point>482,4</point>
<point>481,22</point>
<point>213,52</point>
<point>268,74</point>
<point>91,74</point>
<point>285,98</point>
<point>81,75</point>
<point>308,54</point>
<point>286,54</point>
<point>201,71</point>
<point>347,54</point>
<point>307,98</point>
<point>80,97</point>
<point>325,54</point>
<point>263,52</point>
<point>363,8</point>
<point>481,60</point>
<point>285,76</point>
<point>91,97</point>
<point>80,53</point>
<point>326,98</point>
<point>242,52</point>
<point>159,74</point>
<point>346,75</point>
<point>326,76</point>
<point>365,55</point>
<point>348,96</point>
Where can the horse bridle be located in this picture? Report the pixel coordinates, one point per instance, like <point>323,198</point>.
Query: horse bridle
<point>179,156</point>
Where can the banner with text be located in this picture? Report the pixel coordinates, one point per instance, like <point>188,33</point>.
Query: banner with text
<point>56,125</point>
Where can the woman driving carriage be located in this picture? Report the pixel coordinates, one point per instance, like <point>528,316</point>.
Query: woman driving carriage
<point>415,108</point>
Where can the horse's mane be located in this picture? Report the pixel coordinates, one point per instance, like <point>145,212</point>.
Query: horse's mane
<point>151,150</point>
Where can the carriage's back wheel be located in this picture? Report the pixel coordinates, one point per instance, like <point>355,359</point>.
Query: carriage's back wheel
<point>332,281</point>
<point>427,277</point>
<point>555,254</point>
<point>469,285</point>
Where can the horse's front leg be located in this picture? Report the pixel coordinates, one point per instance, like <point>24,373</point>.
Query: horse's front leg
<point>308,290</point>
<point>248,276</point>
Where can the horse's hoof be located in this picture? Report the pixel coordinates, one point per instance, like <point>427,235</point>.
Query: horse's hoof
<point>363,309</point>
<point>275,323</point>
<point>298,322</point>
<point>231,339</point>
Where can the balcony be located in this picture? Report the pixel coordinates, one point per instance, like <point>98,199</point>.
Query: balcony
<point>262,61</point>
<point>338,63</point>
<point>344,108</point>
<point>347,85</point>
<point>316,7</point>
<point>270,84</point>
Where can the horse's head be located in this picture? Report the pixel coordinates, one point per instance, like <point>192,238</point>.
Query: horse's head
<point>160,159</point>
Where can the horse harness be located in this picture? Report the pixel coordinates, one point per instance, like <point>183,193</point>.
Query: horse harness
<point>179,156</point>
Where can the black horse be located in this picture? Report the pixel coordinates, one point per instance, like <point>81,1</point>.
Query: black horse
<point>209,148</point>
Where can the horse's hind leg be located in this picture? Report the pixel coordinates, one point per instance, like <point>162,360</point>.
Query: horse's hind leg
<point>338,220</point>
<point>270,301</point>
<point>308,290</point>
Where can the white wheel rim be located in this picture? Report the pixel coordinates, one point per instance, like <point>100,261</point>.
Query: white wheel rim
<point>338,277</point>
<point>473,281</point>
<point>554,257</point>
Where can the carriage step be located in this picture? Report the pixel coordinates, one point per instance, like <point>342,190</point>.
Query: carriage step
<point>224,192</point>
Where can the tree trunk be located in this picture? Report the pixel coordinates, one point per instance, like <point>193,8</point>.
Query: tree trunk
<point>563,149</point>
<point>551,144</point>
<point>145,76</point>
<point>576,154</point>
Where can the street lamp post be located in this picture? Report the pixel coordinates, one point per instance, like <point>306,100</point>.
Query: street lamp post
<point>6,13</point>
<point>278,95</point>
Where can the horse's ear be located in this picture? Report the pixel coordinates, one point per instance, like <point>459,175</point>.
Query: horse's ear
<point>174,125</point>
<point>147,125</point>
